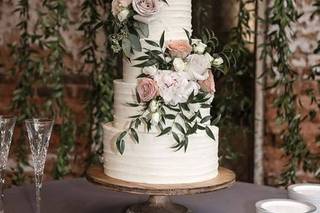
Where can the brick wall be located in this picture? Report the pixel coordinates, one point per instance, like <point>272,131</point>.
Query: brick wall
<point>304,41</point>
<point>77,84</point>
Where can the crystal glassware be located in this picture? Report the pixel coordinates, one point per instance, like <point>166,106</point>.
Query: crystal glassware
<point>7,124</point>
<point>39,133</point>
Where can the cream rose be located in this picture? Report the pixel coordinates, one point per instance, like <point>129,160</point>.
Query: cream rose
<point>119,5</point>
<point>147,89</point>
<point>197,67</point>
<point>208,85</point>
<point>146,7</point>
<point>218,62</point>
<point>179,49</point>
<point>123,15</point>
<point>152,70</point>
<point>179,65</point>
<point>198,46</point>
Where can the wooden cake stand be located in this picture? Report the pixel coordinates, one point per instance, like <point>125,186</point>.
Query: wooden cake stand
<point>159,200</point>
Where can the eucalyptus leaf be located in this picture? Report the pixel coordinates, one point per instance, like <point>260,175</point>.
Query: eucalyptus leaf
<point>126,47</point>
<point>210,133</point>
<point>135,42</point>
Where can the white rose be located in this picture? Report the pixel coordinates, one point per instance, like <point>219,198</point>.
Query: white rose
<point>198,46</point>
<point>152,70</point>
<point>174,87</point>
<point>153,107</point>
<point>179,65</point>
<point>155,118</point>
<point>198,66</point>
<point>218,61</point>
<point>123,15</point>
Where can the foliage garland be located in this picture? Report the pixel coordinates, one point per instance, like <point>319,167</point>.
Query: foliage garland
<point>235,99</point>
<point>46,71</point>
<point>23,92</point>
<point>102,69</point>
<point>281,15</point>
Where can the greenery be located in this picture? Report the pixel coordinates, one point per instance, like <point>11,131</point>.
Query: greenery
<point>281,16</point>
<point>43,70</point>
<point>233,101</point>
<point>178,120</point>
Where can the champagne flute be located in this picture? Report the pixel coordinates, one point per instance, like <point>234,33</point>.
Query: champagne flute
<point>39,133</point>
<point>7,124</point>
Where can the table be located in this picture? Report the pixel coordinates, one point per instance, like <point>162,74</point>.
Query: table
<point>80,196</point>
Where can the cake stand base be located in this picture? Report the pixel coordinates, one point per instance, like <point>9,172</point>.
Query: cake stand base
<point>159,200</point>
<point>158,204</point>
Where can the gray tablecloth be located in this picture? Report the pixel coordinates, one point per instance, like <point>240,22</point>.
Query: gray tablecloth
<point>80,196</point>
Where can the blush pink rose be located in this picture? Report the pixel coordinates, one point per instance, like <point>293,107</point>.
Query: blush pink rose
<point>147,89</point>
<point>208,85</point>
<point>179,48</point>
<point>146,7</point>
<point>118,5</point>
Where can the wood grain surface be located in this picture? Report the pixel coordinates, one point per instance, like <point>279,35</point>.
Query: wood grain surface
<point>225,179</point>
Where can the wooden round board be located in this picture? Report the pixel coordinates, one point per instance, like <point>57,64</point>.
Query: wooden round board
<point>225,179</point>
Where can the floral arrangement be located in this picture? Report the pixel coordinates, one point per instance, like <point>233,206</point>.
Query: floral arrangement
<point>176,85</point>
<point>130,23</point>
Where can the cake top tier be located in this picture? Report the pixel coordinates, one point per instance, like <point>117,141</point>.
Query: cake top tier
<point>174,18</point>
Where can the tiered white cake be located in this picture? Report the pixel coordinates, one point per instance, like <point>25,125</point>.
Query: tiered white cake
<point>153,160</point>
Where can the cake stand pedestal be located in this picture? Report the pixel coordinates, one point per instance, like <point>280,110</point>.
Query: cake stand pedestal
<point>159,200</point>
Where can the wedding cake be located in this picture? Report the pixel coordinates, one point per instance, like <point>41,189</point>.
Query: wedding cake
<point>162,131</point>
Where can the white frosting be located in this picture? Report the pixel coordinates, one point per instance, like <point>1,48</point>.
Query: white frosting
<point>173,19</point>
<point>153,160</point>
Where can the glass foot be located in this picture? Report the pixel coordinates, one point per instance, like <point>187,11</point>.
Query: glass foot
<point>158,204</point>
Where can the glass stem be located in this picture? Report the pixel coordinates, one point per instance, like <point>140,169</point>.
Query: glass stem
<point>38,191</point>
<point>2,181</point>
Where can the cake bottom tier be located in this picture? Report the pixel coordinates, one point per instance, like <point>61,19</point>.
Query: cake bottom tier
<point>153,161</point>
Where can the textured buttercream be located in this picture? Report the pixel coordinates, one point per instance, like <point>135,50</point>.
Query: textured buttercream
<point>153,160</point>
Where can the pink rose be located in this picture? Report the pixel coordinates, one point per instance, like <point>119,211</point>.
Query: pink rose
<point>146,7</point>
<point>147,89</point>
<point>118,5</point>
<point>208,85</point>
<point>179,48</point>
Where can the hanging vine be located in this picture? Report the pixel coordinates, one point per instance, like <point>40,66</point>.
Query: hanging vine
<point>52,22</point>
<point>25,69</point>
<point>102,68</point>
<point>235,100</point>
<point>39,56</point>
<point>281,15</point>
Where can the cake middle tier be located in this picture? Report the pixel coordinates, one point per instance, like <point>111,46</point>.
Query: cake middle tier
<point>125,93</point>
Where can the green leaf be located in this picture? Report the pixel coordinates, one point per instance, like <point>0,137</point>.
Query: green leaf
<point>170,116</point>
<point>210,133</point>
<point>135,42</point>
<point>180,128</point>
<point>121,143</point>
<point>135,135</point>
<point>206,106</point>
<point>176,137</point>
<point>206,119</point>
<point>142,58</point>
<point>162,39</point>
<point>133,104</point>
<point>165,131</point>
<point>142,28</point>
<point>152,43</point>
<point>126,47</point>
<point>216,120</point>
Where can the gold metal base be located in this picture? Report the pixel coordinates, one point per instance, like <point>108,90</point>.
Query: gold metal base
<point>158,204</point>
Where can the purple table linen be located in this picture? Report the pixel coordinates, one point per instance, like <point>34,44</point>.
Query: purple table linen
<point>80,196</point>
